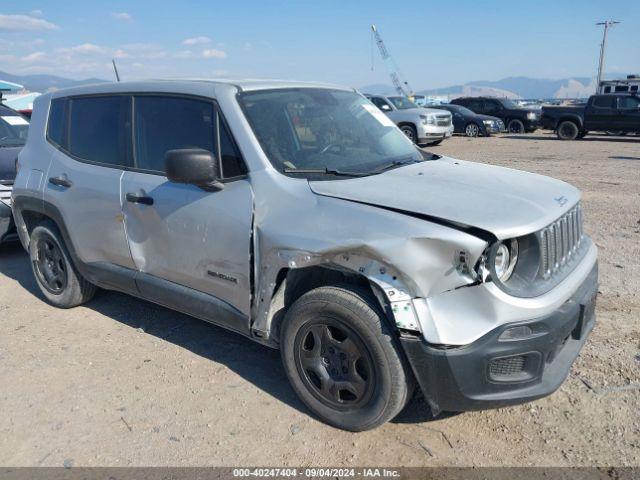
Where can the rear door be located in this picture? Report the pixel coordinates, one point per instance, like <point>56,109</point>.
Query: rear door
<point>83,182</point>
<point>629,113</point>
<point>602,114</point>
<point>184,235</point>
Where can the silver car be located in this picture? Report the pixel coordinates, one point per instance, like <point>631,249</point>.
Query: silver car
<point>423,126</point>
<point>297,215</point>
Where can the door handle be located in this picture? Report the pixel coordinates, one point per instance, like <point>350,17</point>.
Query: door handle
<point>137,198</point>
<point>61,181</point>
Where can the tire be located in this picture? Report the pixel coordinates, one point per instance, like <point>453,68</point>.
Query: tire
<point>56,276</point>
<point>567,130</point>
<point>337,336</point>
<point>515,126</point>
<point>410,132</point>
<point>472,130</point>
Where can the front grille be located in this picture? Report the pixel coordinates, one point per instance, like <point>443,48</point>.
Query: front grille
<point>443,120</point>
<point>560,241</point>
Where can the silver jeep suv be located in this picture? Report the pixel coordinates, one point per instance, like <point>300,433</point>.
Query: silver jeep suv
<point>296,215</point>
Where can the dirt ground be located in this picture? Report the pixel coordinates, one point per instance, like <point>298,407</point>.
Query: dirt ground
<point>124,382</point>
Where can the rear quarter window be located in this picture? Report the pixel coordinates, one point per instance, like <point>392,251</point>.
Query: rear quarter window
<point>57,123</point>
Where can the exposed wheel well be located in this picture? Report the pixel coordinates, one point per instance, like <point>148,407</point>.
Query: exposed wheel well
<point>291,284</point>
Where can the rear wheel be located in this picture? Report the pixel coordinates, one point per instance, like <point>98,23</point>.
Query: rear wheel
<point>342,358</point>
<point>568,130</point>
<point>56,276</point>
<point>515,126</point>
<point>472,130</point>
<point>410,132</point>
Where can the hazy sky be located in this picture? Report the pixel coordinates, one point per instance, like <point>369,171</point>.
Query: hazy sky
<point>434,43</point>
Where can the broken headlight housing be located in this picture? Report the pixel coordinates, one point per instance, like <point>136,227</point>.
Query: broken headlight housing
<point>504,258</point>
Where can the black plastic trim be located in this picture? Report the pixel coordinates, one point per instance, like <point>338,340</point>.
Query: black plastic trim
<point>142,285</point>
<point>457,378</point>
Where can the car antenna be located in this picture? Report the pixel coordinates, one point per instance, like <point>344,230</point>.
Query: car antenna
<point>115,69</point>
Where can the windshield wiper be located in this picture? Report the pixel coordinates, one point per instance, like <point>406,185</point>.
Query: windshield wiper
<point>326,171</point>
<point>394,164</point>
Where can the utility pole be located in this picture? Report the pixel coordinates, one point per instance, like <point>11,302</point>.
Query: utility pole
<point>607,24</point>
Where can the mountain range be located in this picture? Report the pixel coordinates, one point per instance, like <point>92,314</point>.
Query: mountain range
<point>510,87</point>
<point>45,83</point>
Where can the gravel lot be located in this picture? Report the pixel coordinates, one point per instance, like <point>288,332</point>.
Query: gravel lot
<point>124,382</point>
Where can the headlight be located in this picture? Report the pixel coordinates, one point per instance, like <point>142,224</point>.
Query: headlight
<point>488,122</point>
<point>532,115</point>
<point>428,119</point>
<point>504,259</point>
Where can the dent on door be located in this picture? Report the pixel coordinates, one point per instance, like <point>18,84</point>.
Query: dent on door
<point>192,237</point>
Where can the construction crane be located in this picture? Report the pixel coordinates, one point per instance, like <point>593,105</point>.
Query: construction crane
<point>402,86</point>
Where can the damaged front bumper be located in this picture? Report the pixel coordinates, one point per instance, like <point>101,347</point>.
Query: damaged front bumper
<point>494,371</point>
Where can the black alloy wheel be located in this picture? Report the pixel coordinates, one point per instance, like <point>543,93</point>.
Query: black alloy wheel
<point>334,364</point>
<point>50,265</point>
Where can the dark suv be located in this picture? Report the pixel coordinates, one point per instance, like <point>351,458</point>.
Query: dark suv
<point>516,118</point>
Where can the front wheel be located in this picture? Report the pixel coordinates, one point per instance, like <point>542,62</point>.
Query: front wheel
<point>410,132</point>
<point>343,359</point>
<point>515,126</point>
<point>472,130</point>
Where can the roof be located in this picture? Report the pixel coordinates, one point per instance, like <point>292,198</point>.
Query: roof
<point>188,85</point>
<point>246,84</point>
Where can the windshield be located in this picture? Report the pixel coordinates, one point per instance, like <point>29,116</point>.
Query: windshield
<point>324,129</point>
<point>402,103</point>
<point>13,129</point>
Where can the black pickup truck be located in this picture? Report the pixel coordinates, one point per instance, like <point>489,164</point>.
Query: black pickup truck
<point>602,113</point>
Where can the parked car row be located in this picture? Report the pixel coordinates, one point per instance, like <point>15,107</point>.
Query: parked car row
<point>300,216</point>
<point>13,135</point>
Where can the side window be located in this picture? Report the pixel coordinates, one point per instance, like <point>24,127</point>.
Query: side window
<point>231,160</point>
<point>99,129</point>
<point>605,101</point>
<point>607,89</point>
<point>381,104</point>
<point>490,106</point>
<point>628,103</point>
<point>475,105</point>
<point>169,123</point>
<point>57,123</point>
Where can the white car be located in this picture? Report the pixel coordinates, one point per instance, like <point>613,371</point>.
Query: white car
<point>424,126</point>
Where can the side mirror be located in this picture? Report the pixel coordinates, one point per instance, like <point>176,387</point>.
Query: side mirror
<point>193,166</point>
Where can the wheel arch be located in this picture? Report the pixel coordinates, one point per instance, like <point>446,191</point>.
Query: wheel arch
<point>570,118</point>
<point>289,282</point>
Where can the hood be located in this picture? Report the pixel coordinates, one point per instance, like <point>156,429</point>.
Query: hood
<point>8,157</point>
<point>505,202</point>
